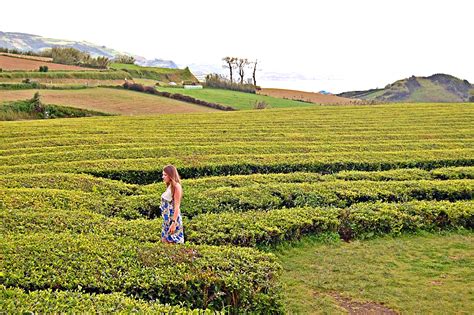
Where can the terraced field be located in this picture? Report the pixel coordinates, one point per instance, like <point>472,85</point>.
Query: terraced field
<point>80,204</point>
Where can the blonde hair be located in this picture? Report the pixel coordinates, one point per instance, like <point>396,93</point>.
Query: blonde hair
<point>173,174</point>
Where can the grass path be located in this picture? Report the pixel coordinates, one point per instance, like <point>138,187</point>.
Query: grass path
<point>428,273</point>
<point>237,100</point>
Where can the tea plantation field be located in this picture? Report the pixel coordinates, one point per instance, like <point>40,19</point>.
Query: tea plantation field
<point>79,202</point>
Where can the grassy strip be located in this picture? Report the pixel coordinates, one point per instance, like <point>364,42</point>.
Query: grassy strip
<point>192,276</point>
<point>16,301</point>
<point>154,73</point>
<point>235,99</point>
<point>423,274</point>
<point>96,75</point>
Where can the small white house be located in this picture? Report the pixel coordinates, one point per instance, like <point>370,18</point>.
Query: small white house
<point>192,87</point>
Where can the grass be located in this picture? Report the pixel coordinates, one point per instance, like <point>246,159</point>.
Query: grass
<point>112,101</point>
<point>426,273</point>
<point>124,66</point>
<point>154,73</point>
<point>237,100</point>
<point>430,92</point>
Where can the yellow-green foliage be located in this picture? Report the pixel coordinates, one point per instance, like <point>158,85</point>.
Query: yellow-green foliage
<point>80,198</point>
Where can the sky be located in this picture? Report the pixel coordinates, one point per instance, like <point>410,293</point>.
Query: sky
<point>336,45</point>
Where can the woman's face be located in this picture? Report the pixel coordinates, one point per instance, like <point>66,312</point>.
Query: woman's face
<point>166,178</point>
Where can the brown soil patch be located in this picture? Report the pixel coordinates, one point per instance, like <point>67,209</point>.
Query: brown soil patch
<point>47,59</point>
<point>105,100</point>
<point>354,307</point>
<point>15,63</point>
<point>310,97</point>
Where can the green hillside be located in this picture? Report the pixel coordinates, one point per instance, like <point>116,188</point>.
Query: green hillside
<point>158,74</point>
<point>435,88</point>
<point>235,99</point>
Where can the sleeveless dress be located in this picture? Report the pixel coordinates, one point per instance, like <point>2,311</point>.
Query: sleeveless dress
<point>167,212</point>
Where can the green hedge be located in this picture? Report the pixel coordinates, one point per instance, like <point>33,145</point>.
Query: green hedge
<point>255,228</point>
<point>18,301</point>
<point>193,276</point>
<point>65,181</point>
<point>333,193</point>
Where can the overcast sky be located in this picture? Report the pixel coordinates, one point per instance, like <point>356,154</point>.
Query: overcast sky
<point>342,45</point>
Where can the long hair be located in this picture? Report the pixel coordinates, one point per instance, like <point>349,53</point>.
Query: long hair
<point>172,172</point>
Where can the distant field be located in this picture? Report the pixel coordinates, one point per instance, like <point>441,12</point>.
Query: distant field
<point>66,82</point>
<point>317,98</point>
<point>106,100</point>
<point>237,100</point>
<point>38,58</point>
<point>15,63</point>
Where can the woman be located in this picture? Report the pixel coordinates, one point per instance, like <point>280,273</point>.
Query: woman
<point>172,229</point>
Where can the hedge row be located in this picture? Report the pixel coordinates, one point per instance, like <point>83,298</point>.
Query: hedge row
<point>254,228</point>
<point>89,183</point>
<point>58,154</point>
<point>358,221</point>
<point>257,197</point>
<point>180,97</point>
<point>192,276</point>
<point>335,193</point>
<point>127,207</point>
<point>148,170</point>
<point>18,301</point>
<point>68,181</point>
<point>283,146</point>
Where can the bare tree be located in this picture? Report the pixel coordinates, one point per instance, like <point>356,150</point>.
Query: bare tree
<point>230,63</point>
<point>254,72</point>
<point>241,64</point>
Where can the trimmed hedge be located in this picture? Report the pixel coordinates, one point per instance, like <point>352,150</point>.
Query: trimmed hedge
<point>192,276</point>
<point>16,301</point>
<point>333,193</point>
<point>254,228</point>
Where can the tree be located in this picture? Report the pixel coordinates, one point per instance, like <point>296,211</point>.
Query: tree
<point>254,72</point>
<point>230,63</point>
<point>103,62</point>
<point>241,64</point>
<point>125,59</point>
<point>36,102</point>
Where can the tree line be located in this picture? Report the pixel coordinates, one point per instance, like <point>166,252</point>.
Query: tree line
<point>240,65</point>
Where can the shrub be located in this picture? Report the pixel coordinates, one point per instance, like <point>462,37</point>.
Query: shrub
<point>43,69</point>
<point>261,105</point>
<point>193,276</point>
<point>124,59</point>
<point>220,82</point>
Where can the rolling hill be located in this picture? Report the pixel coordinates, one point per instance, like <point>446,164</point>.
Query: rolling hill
<point>435,88</point>
<point>35,43</point>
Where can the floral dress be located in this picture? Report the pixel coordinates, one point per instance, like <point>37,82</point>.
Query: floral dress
<point>167,212</point>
